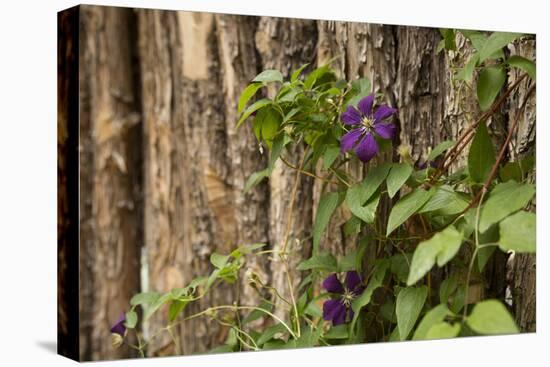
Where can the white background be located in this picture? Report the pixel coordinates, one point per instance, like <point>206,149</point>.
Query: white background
<point>28,181</point>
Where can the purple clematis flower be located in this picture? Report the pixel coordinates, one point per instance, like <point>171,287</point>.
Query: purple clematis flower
<point>338,310</point>
<point>118,327</point>
<point>366,123</point>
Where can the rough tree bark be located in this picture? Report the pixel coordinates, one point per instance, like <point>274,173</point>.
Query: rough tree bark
<point>110,207</point>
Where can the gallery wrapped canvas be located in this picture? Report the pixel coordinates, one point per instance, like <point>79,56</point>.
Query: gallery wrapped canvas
<point>234,183</point>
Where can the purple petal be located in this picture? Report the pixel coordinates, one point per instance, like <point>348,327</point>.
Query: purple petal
<point>332,308</point>
<point>118,327</point>
<point>367,148</point>
<point>353,280</point>
<point>365,105</point>
<point>387,131</point>
<point>383,112</point>
<point>333,285</point>
<point>340,316</point>
<point>351,116</point>
<point>349,139</point>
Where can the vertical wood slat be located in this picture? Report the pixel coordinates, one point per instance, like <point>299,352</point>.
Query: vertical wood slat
<point>68,317</point>
<point>110,150</point>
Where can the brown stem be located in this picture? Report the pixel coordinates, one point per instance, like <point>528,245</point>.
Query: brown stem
<point>468,134</point>
<point>500,156</point>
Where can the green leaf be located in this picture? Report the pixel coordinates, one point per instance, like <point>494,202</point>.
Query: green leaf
<point>432,317</point>
<point>374,282</point>
<point>364,212</point>
<point>491,318</point>
<point>481,156</point>
<point>447,288</point>
<point>361,88</point>
<point>408,306</point>
<point>252,108</point>
<point>443,330</point>
<point>505,199</point>
<point>517,170</point>
<point>445,201</point>
<point>477,38</point>
<point>308,338</point>
<point>399,174</point>
<point>523,64</point>
<point>154,306</point>
<point>219,261</point>
<point>495,42</point>
<point>405,207</point>
<point>483,256</point>
<point>448,35</point>
<point>319,262</point>
<point>491,80</point>
<point>131,319</point>
<point>255,179</point>
<point>400,266</point>
<point>297,73</point>
<point>466,73</point>
<point>266,124</point>
<point>518,233</point>
<point>359,197</point>
<point>352,226</point>
<point>338,332</point>
<point>440,148</point>
<point>442,247</point>
<point>278,145</point>
<point>248,93</point>
<point>373,180</point>
<point>268,76</point>
<point>144,298</point>
<point>271,332</point>
<point>327,205</point>
<point>330,155</point>
<point>176,307</point>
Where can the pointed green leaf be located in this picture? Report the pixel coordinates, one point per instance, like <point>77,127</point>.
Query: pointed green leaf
<point>443,330</point>
<point>440,148</point>
<point>324,261</point>
<point>524,64</point>
<point>255,179</point>
<point>491,318</point>
<point>432,317</point>
<point>268,76</point>
<point>407,206</point>
<point>441,248</point>
<point>495,42</point>
<point>131,319</point>
<point>330,155</point>
<point>248,93</point>
<point>297,73</point>
<point>252,108</point>
<point>518,233</point>
<point>408,306</point>
<point>481,156</point>
<point>399,174</point>
<point>327,205</point>
<point>490,82</point>
<point>505,199</point>
<point>374,282</point>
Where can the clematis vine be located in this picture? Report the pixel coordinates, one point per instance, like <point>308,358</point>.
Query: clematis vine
<point>366,124</point>
<point>338,309</point>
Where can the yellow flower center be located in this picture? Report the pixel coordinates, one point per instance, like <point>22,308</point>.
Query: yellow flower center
<point>367,122</point>
<point>347,297</point>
